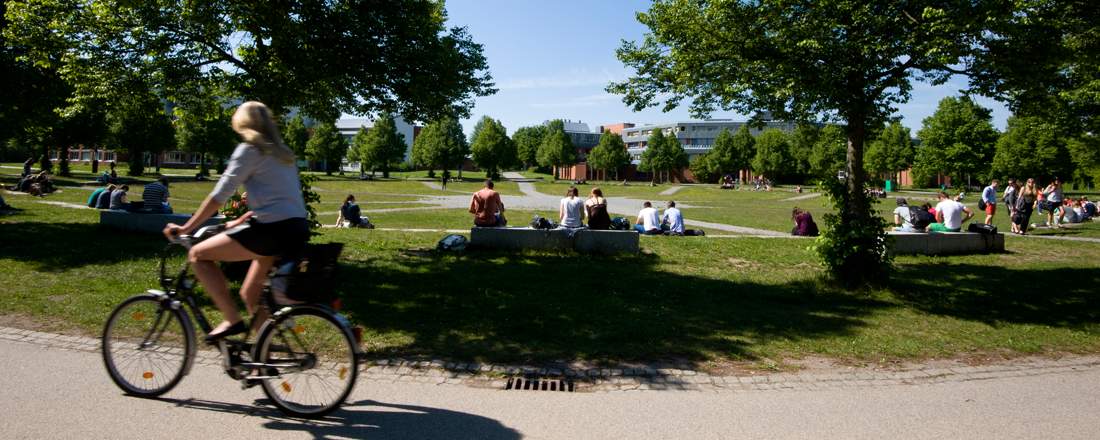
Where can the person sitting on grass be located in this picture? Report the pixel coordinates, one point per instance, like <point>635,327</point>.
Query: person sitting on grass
<point>804,225</point>
<point>595,209</point>
<point>672,219</point>
<point>487,208</point>
<point>1071,210</point>
<point>1089,208</point>
<point>571,210</point>
<point>155,197</point>
<point>949,215</point>
<point>648,223</point>
<point>351,216</point>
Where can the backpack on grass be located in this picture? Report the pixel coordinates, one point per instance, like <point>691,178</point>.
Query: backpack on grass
<point>540,222</point>
<point>620,224</point>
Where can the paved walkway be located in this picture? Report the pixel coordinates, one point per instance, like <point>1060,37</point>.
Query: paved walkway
<point>671,191</point>
<point>802,197</point>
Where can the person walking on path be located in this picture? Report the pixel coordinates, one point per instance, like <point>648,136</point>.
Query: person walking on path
<point>1011,191</point>
<point>989,200</point>
<point>444,179</point>
<point>275,226</point>
<point>487,208</point>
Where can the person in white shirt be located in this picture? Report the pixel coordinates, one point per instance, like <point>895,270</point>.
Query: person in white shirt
<point>647,222</point>
<point>949,215</point>
<point>571,210</point>
<point>673,219</point>
<point>902,217</point>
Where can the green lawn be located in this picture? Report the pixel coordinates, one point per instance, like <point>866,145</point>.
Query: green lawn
<point>703,300</point>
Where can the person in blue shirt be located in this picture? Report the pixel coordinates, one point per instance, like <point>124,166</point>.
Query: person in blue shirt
<point>989,197</point>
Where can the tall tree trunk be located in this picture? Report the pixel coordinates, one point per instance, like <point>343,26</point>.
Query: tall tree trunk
<point>63,162</point>
<point>44,162</point>
<point>203,169</point>
<point>857,135</point>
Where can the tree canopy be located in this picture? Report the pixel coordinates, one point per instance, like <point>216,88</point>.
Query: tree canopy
<point>296,135</point>
<point>610,154</point>
<point>957,140</point>
<point>441,144</point>
<point>663,154</point>
<point>325,58</point>
<point>772,154</point>
<point>828,153</point>
<point>139,125</point>
<point>891,151</point>
<point>733,152</point>
<point>492,150</point>
<point>203,126</point>
<point>556,149</point>
<point>327,146</point>
<point>1032,147</point>
<point>527,141</point>
<point>382,146</point>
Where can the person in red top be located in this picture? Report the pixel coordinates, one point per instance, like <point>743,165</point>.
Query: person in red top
<point>487,208</point>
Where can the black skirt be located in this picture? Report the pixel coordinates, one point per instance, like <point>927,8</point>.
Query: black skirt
<point>285,238</point>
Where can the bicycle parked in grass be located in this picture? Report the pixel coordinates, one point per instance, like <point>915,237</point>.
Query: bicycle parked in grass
<point>306,357</point>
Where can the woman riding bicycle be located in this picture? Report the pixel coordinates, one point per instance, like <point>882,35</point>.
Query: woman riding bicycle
<point>275,226</point>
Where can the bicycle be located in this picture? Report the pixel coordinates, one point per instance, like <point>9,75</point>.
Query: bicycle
<point>306,357</point>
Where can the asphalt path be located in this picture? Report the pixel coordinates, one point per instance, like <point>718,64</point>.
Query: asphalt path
<point>54,393</point>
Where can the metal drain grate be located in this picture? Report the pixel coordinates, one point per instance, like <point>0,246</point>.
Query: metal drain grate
<point>539,384</point>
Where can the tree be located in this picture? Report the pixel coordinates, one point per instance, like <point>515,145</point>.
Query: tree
<point>413,64</point>
<point>382,146</point>
<point>772,154</point>
<point>1085,151</point>
<point>841,60</point>
<point>203,125</point>
<point>556,149</point>
<point>957,140</point>
<point>327,146</point>
<point>296,135</point>
<point>1032,147</point>
<point>440,144</point>
<point>828,154</point>
<point>527,141</point>
<point>492,149</point>
<point>663,154</point>
<point>139,125</point>
<point>706,168</point>
<point>802,141</point>
<point>891,152</point>
<point>609,155</point>
<point>733,152</point>
<point>357,151</point>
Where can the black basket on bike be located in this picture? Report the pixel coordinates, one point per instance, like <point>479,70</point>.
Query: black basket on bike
<point>311,278</point>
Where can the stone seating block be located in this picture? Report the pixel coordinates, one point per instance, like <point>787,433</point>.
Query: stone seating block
<point>581,240</point>
<point>143,222</point>
<point>946,243</point>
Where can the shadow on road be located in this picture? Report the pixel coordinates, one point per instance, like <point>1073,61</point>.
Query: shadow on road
<point>368,419</point>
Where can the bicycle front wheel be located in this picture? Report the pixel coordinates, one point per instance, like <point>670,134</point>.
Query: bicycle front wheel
<point>146,346</point>
<point>311,359</point>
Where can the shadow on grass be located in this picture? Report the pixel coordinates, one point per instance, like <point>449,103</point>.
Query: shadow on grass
<point>493,307</point>
<point>52,247</point>
<point>1059,297</point>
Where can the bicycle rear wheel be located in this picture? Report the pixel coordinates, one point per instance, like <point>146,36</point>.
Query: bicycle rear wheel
<point>146,346</point>
<point>312,357</point>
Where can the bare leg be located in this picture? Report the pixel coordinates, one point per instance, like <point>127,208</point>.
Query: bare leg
<point>253,286</point>
<point>204,257</point>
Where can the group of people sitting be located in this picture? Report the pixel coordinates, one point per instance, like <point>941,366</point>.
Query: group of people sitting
<point>946,216</point>
<point>154,198</point>
<point>36,184</point>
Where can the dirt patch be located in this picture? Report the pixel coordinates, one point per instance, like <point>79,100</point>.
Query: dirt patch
<point>20,321</point>
<point>742,264</point>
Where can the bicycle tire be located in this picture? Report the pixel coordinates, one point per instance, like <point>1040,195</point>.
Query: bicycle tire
<point>128,321</point>
<point>340,357</point>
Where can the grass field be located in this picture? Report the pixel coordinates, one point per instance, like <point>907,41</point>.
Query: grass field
<point>707,301</point>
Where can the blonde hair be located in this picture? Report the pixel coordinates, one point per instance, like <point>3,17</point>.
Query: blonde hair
<point>253,121</point>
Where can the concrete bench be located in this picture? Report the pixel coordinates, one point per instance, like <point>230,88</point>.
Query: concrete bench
<point>945,243</point>
<point>142,222</point>
<point>580,240</point>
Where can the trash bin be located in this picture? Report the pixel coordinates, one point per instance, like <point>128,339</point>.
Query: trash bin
<point>889,186</point>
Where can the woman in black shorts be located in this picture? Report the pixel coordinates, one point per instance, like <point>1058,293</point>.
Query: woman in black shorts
<point>275,224</point>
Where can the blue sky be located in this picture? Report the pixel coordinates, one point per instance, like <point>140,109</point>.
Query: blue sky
<point>552,59</point>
